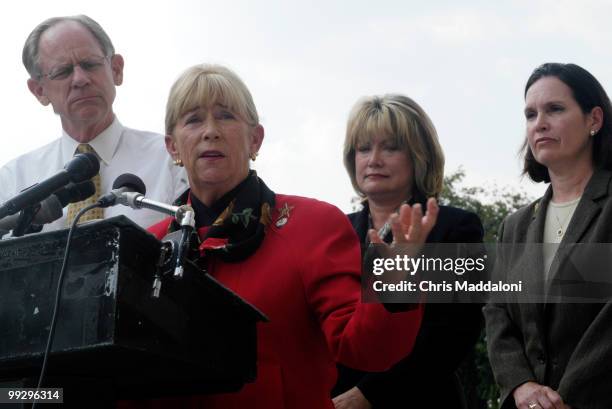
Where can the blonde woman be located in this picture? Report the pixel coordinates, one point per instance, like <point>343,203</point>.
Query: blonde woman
<point>295,259</point>
<point>392,156</point>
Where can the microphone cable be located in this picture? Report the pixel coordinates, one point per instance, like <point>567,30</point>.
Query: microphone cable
<point>58,295</point>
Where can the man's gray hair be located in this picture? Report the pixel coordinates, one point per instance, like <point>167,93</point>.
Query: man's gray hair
<point>29,55</point>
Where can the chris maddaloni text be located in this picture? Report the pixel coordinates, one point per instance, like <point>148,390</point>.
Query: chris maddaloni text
<point>430,286</point>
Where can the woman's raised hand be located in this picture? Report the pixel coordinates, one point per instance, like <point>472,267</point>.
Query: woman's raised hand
<point>410,226</point>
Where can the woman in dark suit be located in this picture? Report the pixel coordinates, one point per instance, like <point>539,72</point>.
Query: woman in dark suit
<point>392,155</point>
<point>557,355</point>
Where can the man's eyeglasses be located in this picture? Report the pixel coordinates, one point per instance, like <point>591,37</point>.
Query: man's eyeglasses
<point>61,72</point>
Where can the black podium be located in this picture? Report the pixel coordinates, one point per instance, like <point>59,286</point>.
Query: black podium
<point>196,337</point>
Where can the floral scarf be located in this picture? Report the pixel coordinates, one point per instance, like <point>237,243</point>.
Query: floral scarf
<point>240,229</point>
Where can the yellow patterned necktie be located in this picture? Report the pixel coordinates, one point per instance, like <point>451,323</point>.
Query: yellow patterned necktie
<point>74,208</point>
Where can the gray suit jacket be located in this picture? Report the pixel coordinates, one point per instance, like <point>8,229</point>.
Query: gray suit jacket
<point>567,346</point>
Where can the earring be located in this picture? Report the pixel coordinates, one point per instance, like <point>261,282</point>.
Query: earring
<point>254,156</point>
<point>178,162</point>
<point>593,132</point>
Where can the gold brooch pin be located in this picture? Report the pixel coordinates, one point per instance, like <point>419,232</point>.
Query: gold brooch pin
<point>283,217</point>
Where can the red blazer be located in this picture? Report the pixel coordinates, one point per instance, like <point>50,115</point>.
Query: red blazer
<point>306,278</point>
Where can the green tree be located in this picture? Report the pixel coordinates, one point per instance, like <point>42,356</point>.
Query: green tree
<point>492,206</point>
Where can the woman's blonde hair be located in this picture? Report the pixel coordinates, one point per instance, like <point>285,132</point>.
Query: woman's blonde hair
<point>403,121</point>
<point>204,85</point>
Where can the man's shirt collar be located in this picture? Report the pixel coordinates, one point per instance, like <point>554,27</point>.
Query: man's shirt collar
<point>105,144</point>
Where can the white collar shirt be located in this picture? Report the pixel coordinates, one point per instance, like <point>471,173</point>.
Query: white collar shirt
<point>120,150</point>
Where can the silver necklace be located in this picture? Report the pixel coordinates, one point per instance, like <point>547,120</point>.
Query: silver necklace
<point>562,226</point>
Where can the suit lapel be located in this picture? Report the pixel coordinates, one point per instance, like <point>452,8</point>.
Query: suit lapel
<point>580,226</point>
<point>587,211</point>
<point>535,281</point>
<point>589,207</point>
<point>533,259</point>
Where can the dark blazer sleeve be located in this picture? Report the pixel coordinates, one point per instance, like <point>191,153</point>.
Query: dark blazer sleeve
<point>589,370</point>
<point>448,333</point>
<point>505,346</point>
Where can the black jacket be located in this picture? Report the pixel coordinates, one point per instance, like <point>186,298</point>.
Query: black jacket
<point>426,378</point>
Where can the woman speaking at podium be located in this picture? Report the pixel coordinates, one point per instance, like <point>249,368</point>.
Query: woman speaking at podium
<point>295,259</point>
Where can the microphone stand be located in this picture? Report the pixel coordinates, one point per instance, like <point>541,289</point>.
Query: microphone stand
<point>26,216</point>
<point>185,216</point>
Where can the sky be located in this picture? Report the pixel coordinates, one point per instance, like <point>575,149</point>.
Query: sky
<point>307,63</point>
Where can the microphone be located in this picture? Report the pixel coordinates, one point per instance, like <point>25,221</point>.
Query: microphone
<point>80,168</point>
<point>75,192</point>
<point>51,208</point>
<point>129,190</point>
<point>123,184</point>
<point>137,201</point>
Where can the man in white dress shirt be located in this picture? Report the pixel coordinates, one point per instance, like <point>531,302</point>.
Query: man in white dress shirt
<point>73,67</point>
